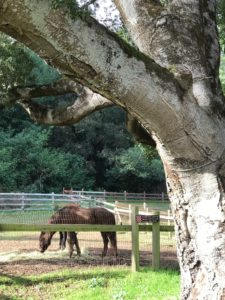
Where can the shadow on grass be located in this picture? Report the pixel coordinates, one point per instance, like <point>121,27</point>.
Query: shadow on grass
<point>10,280</point>
<point>162,270</point>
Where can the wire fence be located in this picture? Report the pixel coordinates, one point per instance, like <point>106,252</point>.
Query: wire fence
<point>43,209</point>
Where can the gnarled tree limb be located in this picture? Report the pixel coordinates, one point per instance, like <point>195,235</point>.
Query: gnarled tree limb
<point>61,87</point>
<point>86,102</point>
<point>87,52</point>
<point>65,115</point>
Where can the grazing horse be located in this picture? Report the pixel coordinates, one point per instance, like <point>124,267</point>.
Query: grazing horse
<point>78,215</point>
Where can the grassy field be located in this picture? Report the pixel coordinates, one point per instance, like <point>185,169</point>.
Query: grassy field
<point>81,283</point>
<point>111,283</point>
<point>25,217</point>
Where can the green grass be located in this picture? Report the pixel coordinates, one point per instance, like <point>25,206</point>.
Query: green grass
<point>23,217</point>
<point>95,283</point>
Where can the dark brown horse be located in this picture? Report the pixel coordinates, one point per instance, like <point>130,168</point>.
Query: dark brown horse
<point>78,215</point>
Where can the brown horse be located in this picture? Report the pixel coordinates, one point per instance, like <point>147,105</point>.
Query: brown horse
<point>78,215</point>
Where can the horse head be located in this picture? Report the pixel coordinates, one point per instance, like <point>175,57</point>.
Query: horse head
<point>44,241</point>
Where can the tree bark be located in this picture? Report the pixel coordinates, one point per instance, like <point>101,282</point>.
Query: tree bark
<point>198,207</point>
<point>171,88</point>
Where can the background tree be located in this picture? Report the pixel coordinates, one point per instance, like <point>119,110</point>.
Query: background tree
<point>135,170</point>
<point>27,164</point>
<point>169,85</point>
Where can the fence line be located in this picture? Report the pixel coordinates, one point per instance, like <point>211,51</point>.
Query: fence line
<point>36,201</point>
<point>125,196</point>
<point>134,228</point>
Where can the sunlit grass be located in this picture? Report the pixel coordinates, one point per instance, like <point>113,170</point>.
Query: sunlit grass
<point>95,283</point>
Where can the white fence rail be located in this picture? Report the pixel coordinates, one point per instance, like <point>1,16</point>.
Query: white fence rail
<point>122,197</point>
<point>28,201</point>
<point>32,202</point>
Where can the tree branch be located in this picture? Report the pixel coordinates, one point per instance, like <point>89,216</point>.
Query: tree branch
<point>60,87</point>
<point>86,103</point>
<point>83,50</point>
<point>87,52</point>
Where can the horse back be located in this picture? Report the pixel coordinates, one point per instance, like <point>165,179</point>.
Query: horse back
<point>103,216</point>
<point>72,215</point>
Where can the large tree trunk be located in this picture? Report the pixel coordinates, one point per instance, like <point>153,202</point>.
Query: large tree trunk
<point>176,98</point>
<point>198,206</point>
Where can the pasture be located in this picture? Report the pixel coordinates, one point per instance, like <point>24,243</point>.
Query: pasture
<point>23,247</point>
<point>20,260</point>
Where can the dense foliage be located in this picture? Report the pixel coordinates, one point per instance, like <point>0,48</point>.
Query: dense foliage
<point>27,164</point>
<point>221,21</point>
<point>97,153</point>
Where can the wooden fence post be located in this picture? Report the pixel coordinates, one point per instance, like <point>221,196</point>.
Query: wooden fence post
<point>135,240</point>
<point>156,244</point>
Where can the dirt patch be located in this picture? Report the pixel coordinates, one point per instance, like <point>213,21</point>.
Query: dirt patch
<point>19,255</point>
<point>35,266</point>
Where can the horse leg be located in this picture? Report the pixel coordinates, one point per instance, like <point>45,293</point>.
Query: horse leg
<point>105,242</point>
<point>76,243</point>
<point>63,237</point>
<point>113,242</point>
<point>60,240</point>
<point>70,241</point>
